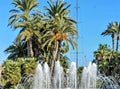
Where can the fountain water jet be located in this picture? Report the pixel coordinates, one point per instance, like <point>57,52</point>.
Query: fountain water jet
<point>47,76</point>
<point>58,77</point>
<point>38,78</point>
<point>89,77</point>
<point>71,76</point>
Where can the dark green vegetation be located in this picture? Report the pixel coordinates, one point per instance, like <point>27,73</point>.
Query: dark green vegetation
<point>14,70</point>
<point>108,59</point>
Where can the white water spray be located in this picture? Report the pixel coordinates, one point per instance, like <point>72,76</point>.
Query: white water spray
<point>89,77</point>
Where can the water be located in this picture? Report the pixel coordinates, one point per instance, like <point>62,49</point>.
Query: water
<point>108,82</point>
<point>58,77</point>
<point>38,79</point>
<point>25,82</point>
<point>71,77</point>
<point>90,78</point>
<point>47,76</point>
<point>42,79</point>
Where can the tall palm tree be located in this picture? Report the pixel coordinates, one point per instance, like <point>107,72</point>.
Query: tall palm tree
<point>21,18</point>
<point>116,26</point>
<point>111,32</point>
<point>62,30</point>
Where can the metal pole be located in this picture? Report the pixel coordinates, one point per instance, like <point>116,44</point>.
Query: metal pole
<point>77,34</point>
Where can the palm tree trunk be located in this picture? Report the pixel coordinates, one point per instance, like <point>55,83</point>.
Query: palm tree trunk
<point>113,41</point>
<point>54,56</point>
<point>59,50</point>
<point>117,43</point>
<point>29,48</point>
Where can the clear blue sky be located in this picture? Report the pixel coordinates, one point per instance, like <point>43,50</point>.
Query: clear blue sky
<point>94,16</point>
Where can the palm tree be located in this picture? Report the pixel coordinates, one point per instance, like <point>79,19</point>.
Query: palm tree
<point>103,53</point>
<point>62,30</point>
<point>111,32</point>
<point>58,9</point>
<point>16,50</point>
<point>21,18</point>
<point>116,26</point>
<point>104,56</point>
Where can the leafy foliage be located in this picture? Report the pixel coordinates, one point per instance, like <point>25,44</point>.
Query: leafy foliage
<point>16,50</point>
<point>108,60</point>
<point>29,66</point>
<point>103,52</point>
<point>14,70</point>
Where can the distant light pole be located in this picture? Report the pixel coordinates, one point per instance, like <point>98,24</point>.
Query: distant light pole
<point>77,29</point>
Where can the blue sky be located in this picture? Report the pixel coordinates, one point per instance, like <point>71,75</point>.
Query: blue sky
<point>94,16</point>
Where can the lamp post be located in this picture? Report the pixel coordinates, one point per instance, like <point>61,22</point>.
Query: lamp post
<point>77,34</point>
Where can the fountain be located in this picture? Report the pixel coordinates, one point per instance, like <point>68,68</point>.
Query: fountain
<point>71,77</point>
<point>90,78</point>
<point>58,77</point>
<point>108,82</point>
<point>42,80</point>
